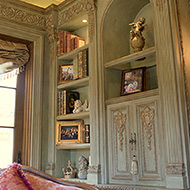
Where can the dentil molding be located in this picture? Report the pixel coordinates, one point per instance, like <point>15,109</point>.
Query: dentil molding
<point>109,187</point>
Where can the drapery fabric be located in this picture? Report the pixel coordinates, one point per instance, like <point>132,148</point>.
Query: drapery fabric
<point>17,53</point>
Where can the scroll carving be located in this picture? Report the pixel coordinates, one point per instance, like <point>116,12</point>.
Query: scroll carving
<point>94,169</point>
<point>147,117</point>
<point>175,169</point>
<point>51,34</point>
<point>119,120</point>
<point>160,4</point>
<point>19,15</point>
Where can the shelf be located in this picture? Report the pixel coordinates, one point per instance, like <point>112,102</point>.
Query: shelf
<point>130,97</point>
<point>73,146</point>
<point>121,62</point>
<point>74,84</point>
<point>81,115</point>
<point>69,56</point>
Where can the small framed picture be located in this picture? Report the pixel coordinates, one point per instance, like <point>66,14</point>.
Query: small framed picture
<point>69,132</point>
<point>132,81</point>
<point>65,73</point>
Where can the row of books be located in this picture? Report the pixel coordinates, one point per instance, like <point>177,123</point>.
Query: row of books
<point>67,41</point>
<point>65,102</point>
<point>80,65</point>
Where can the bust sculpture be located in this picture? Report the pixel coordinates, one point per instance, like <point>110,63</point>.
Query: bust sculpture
<point>83,167</point>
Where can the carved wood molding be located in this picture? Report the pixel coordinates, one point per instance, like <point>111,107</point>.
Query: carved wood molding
<point>19,15</point>
<point>94,169</point>
<point>147,117</point>
<point>119,121</point>
<point>109,187</point>
<point>77,9</point>
<point>175,169</point>
<point>160,4</point>
<point>50,166</point>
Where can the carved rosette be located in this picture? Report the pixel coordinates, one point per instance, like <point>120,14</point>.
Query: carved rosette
<point>119,120</point>
<point>175,169</point>
<point>94,169</point>
<point>147,118</point>
<point>79,8</point>
<point>160,4</point>
<point>15,14</point>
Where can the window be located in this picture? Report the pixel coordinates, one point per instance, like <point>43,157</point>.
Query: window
<point>7,120</point>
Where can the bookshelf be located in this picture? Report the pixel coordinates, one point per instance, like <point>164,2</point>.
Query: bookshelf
<point>82,85</point>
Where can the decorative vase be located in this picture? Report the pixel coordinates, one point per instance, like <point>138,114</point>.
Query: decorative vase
<point>137,43</point>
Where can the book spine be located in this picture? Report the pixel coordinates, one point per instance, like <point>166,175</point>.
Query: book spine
<point>64,102</point>
<point>58,103</point>
<point>80,67</point>
<point>87,133</point>
<point>58,44</point>
<point>75,67</point>
<point>69,42</point>
<point>85,63</point>
<point>61,42</point>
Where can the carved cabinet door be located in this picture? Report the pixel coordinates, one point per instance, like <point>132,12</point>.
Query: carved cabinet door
<point>147,127</point>
<point>134,129</point>
<point>119,154</point>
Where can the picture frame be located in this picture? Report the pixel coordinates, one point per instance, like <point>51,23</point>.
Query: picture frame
<point>132,81</point>
<point>65,73</point>
<point>69,132</point>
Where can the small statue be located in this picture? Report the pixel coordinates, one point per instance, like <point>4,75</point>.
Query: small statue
<point>69,171</point>
<point>78,107</point>
<point>137,40</point>
<point>83,167</point>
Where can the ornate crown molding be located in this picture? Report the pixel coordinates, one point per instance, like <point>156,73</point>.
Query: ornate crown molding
<point>18,15</point>
<point>119,120</point>
<point>77,9</point>
<point>147,117</point>
<point>160,4</point>
<point>175,169</point>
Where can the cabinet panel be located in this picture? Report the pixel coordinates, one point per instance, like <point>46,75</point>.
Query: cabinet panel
<point>146,112</point>
<point>119,131</point>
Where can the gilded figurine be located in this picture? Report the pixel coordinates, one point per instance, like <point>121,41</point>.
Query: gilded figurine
<point>137,40</point>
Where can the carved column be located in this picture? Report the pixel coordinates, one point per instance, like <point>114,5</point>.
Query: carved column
<point>170,91</point>
<point>51,25</point>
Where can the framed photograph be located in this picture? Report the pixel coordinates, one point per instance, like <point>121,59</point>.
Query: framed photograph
<point>65,73</point>
<point>132,81</point>
<point>69,132</point>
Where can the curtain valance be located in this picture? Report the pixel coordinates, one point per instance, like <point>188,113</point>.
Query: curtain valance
<point>15,53</point>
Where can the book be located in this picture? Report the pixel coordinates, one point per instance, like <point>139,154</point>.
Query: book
<point>84,63</point>
<point>68,102</point>
<point>75,68</point>
<point>87,133</point>
<point>80,66</point>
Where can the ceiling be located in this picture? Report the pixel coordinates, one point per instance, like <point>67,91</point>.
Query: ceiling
<point>43,3</point>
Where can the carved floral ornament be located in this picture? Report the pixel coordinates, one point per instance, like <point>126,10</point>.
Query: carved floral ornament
<point>119,120</point>
<point>175,169</point>
<point>147,117</point>
<point>19,15</point>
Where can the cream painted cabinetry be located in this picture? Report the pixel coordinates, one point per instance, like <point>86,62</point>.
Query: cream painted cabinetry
<point>134,129</point>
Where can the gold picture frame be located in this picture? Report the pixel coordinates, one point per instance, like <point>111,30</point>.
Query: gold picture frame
<point>69,132</point>
<point>65,73</point>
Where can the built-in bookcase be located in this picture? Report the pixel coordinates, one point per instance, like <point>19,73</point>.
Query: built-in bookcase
<point>65,152</point>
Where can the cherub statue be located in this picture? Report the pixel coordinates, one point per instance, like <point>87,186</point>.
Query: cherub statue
<point>79,107</point>
<point>83,167</point>
<point>137,40</point>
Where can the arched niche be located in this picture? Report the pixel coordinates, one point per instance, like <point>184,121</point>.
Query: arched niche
<point>116,29</point>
